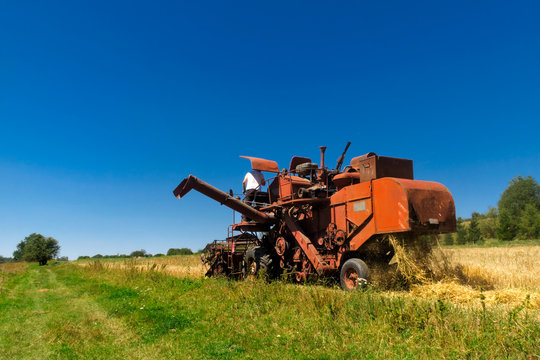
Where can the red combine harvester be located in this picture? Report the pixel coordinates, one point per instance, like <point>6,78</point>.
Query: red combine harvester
<point>315,222</point>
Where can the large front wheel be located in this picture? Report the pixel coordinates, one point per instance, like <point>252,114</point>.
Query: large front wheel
<point>257,262</point>
<point>354,273</point>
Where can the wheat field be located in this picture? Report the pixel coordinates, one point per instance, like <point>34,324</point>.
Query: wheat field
<point>496,276</point>
<point>503,267</point>
<point>186,266</point>
<point>506,276</point>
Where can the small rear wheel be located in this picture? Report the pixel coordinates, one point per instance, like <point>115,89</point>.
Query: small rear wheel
<point>354,273</point>
<point>219,269</point>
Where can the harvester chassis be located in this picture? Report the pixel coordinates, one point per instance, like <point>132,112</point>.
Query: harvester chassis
<point>318,222</point>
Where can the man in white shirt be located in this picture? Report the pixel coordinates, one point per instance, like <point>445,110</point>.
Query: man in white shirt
<point>252,183</point>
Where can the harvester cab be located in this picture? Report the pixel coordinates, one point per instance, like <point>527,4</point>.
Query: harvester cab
<point>318,222</point>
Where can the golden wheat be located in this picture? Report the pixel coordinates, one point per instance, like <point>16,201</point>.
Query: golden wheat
<point>187,266</point>
<point>507,276</point>
<point>503,267</point>
<point>13,268</point>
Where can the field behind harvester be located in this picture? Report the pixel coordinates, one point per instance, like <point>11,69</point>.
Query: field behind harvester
<point>493,276</point>
<point>182,266</point>
<point>161,308</point>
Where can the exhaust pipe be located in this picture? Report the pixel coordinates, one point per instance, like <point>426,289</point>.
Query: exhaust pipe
<point>191,182</point>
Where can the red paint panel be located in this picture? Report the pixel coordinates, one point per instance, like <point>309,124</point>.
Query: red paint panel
<point>352,203</point>
<point>262,164</point>
<point>390,206</point>
<point>432,205</point>
<point>289,185</point>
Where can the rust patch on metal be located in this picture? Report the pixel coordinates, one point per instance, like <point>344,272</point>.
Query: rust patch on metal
<point>262,164</point>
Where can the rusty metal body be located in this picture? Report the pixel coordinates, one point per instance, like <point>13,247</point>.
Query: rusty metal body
<point>316,219</point>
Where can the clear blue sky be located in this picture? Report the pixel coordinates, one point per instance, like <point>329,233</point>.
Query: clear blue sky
<point>106,106</point>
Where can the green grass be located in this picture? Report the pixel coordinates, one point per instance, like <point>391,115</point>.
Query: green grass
<point>91,313</point>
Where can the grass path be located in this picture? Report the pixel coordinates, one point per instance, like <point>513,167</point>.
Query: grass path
<point>73,312</point>
<point>44,318</point>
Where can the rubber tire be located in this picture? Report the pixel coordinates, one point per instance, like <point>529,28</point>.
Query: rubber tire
<point>261,259</point>
<point>306,168</point>
<point>357,266</point>
<point>217,273</point>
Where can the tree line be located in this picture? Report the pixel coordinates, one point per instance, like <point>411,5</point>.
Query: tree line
<point>139,253</point>
<point>5,259</point>
<point>517,216</point>
<point>38,248</point>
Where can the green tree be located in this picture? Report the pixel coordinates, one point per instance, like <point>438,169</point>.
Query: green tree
<point>448,239</point>
<point>520,193</point>
<point>461,237</point>
<point>18,254</point>
<point>182,251</point>
<point>473,232</point>
<point>138,253</point>
<point>506,227</point>
<point>36,247</point>
<point>529,225</point>
<point>488,223</point>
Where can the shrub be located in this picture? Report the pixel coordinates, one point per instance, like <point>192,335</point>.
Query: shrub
<point>138,253</point>
<point>448,239</point>
<point>474,234</point>
<point>461,237</point>
<point>182,251</point>
<point>488,223</point>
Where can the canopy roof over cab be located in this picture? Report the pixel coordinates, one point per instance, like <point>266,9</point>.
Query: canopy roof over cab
<point>262,164</point>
